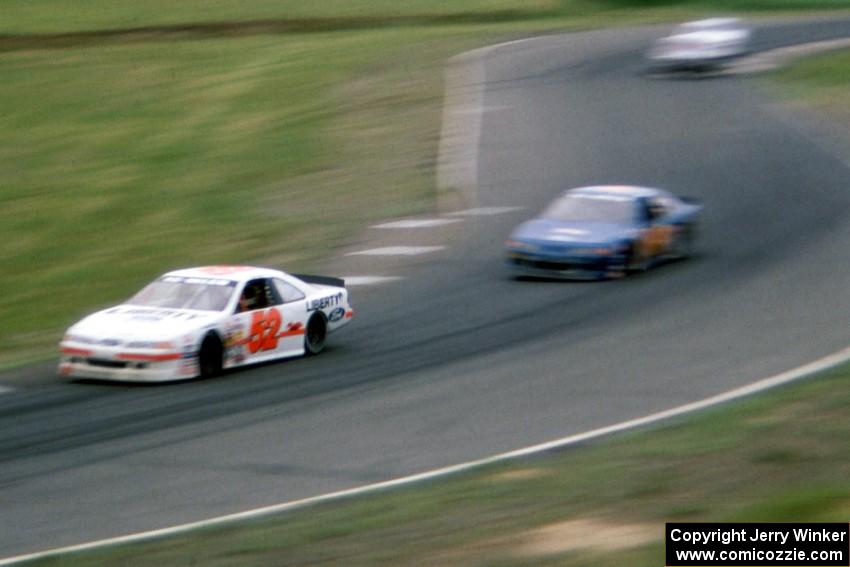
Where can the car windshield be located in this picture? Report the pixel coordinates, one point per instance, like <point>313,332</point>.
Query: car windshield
<point>591,208</point>
<point>174,292</point>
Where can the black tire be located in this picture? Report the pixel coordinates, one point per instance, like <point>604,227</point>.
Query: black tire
<point>314,338</point>
<point>634,263</point>
<point>683,247</point>
<point>211,357</point>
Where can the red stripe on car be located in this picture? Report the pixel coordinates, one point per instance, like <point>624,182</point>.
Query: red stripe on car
<point>149,357</point>
<point>75,351</point>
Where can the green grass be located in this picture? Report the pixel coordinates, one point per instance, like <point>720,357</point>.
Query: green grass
<point>819,82</point>
<point>44,16</point>
<point>52,16</point>
<point>128,155</point>
<point>780,457</point>
<point>732,5</point>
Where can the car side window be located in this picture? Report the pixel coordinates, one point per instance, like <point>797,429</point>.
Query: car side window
<point>257,294</point>
<point>287,292</point>
<point>642,213</point>
<point>656,209</point>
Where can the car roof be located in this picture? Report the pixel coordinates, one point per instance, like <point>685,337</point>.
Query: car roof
<point>235,273</point>
<point>627,191</point>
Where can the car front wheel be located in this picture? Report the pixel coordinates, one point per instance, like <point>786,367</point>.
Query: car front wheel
<point>210,357</point>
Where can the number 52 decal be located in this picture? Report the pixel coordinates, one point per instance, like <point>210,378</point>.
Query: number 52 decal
<point>264,328</point>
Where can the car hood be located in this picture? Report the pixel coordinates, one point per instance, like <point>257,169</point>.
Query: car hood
<point>133,322</point>
<point>584,233</point>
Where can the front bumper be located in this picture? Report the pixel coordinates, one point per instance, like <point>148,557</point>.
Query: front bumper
<point>122,365</point>
<point>568,268</point>
<point>690,61</point>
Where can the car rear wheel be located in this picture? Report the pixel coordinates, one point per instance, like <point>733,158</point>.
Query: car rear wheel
<point>210,357</point>
<point>683,246</point>
<point>635,261</point>
<point>314,338</point>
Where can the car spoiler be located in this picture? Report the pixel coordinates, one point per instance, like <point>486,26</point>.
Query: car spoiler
<point>321,280</point>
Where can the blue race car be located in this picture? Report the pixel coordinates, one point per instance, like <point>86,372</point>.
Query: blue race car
<point>603,232</point>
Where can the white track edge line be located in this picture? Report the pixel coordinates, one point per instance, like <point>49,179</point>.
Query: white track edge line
<point>359,281</point>
<point>397,251</point>
<point>809,369</point>
<point>414,224</point>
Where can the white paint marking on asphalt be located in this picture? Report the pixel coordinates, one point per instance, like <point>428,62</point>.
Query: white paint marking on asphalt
<point>516,42</point>
<point>484,211</point>
<point>4,390</point>
<point>368,280</point>
<point>759,386</point>
<point>416,223</point>
<point>397,251</point>
<point>476,109</point>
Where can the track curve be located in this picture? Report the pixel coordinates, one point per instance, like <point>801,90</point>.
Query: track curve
<point>458,362</point>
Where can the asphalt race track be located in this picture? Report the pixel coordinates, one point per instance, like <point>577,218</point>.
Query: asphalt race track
<point>457,361</point>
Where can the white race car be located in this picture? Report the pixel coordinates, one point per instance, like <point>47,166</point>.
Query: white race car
<point>198,321</point>
<point>700,45</point>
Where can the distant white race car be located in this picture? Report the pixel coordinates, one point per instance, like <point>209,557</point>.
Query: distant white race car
<point>198,321</point>
<point>701,45</point>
